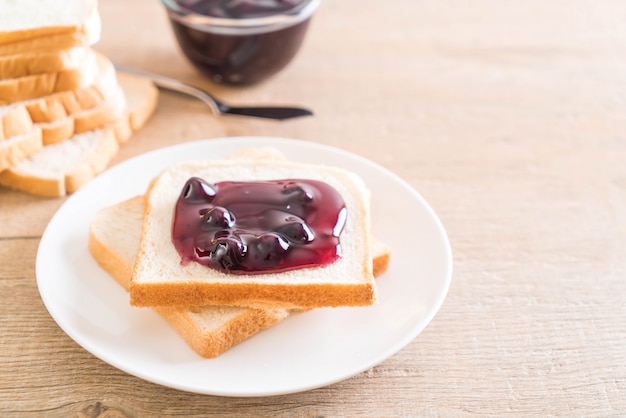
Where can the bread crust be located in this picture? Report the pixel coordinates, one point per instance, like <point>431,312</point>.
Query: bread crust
<point>268,296</point>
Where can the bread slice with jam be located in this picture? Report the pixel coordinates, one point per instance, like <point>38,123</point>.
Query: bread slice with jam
<point>161,279</point>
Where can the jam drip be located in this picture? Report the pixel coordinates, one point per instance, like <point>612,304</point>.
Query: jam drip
<point>258,227</point>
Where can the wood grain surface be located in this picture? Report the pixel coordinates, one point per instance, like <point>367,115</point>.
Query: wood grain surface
<point>508,117</point>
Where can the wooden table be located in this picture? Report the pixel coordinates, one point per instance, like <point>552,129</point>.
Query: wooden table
<point>508,117</point>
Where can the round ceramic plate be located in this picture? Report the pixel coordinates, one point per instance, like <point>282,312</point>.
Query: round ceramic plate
<point>306,350</point>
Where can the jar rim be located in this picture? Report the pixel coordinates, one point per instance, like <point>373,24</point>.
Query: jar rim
<point>296,14</point>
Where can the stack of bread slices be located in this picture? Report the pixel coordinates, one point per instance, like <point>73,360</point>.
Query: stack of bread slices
<point>213,310</point>
<point>64,110</point>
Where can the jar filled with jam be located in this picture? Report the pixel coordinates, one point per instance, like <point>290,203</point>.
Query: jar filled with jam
<point>240,41</point>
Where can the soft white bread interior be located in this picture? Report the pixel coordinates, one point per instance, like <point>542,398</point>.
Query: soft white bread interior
<point>160,279</point>
<point>64,166</point>
<point>114,237</point>
<point>23,20</point>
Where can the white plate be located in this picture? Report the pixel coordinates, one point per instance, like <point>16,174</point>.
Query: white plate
<point>306,350</point>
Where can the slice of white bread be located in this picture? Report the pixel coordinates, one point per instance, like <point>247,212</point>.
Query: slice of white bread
<point>114,237</point>
<point>23,20</point>
<point>61,168</point>
<point>38,85</point>
<point>30,63</point>
<point>160,279</point>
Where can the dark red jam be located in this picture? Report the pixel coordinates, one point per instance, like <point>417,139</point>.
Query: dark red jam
<point>239,56</point>
<point>258,227</point>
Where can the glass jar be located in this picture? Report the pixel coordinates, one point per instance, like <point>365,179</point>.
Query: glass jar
<point>240,41</point>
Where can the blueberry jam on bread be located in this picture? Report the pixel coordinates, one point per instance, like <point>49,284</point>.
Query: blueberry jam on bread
<point>257,227</point>
<point>160,279</point>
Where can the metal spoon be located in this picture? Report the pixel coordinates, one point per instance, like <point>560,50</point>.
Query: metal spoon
<point>218,106</point>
